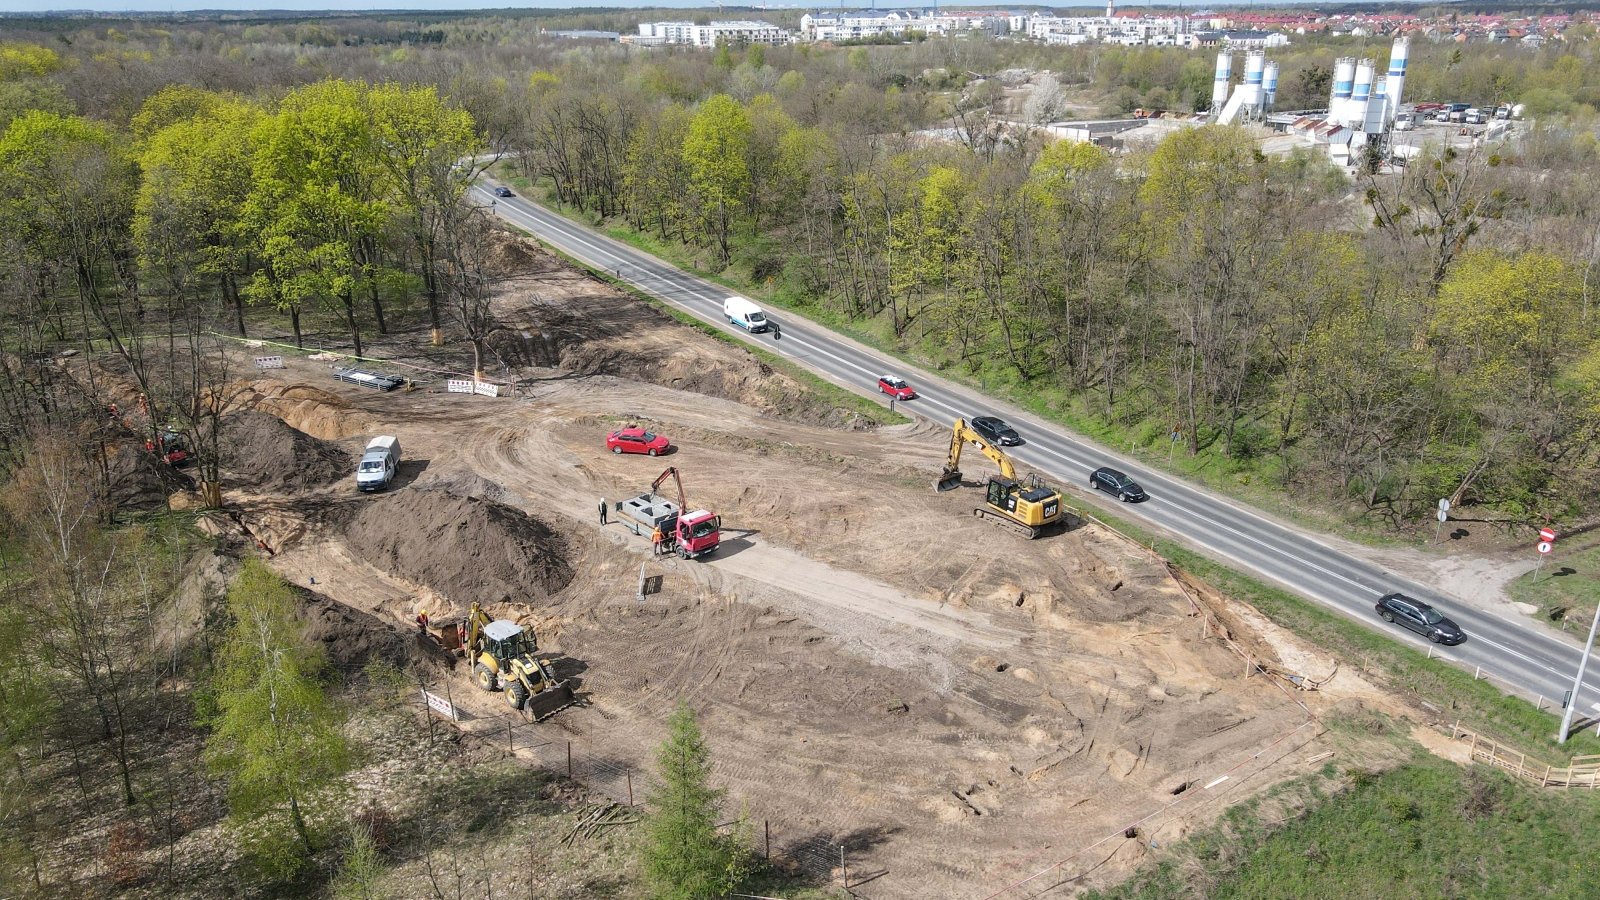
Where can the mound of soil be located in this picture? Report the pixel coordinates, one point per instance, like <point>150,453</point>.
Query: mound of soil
<point>352,638</point>
<point>464,484</point>
<point>511,255</point>
<point>137,480</point>
<point>313,410</point>
<point>466,549</point>
<point>264,452</point>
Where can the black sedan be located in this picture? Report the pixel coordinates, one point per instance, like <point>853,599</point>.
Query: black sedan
<point>1117,485</point>
<point>503,192</point>
<point>996,431</point>
<point>1421,618</point>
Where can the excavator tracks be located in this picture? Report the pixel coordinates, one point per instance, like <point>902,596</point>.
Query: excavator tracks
<point>988,515</point>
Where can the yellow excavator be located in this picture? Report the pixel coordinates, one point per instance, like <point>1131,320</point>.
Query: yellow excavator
<point>503,656</point>
<point>1028,507</point>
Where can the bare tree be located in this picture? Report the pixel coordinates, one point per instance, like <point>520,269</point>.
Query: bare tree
<point>465,245</point>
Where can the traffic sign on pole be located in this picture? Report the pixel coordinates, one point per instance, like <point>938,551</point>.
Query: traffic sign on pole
<point>1544,546</point>
<point>1444,515</point>
<point>1444,504</point>
<point>1547,535</point>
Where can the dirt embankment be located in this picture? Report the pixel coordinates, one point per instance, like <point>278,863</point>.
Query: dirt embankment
<point>268,454</point>
<point>467,549</point>
<point>319,413</point>
<point>556,317</point>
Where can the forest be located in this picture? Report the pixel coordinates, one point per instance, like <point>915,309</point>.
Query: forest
<point>1368,346</point>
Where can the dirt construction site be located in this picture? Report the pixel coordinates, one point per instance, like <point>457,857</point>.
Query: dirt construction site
<point>959,707</point>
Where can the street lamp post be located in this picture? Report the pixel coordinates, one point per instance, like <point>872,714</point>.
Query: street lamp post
<point>1566,718</point>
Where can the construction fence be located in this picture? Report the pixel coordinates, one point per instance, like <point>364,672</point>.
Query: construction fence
<point>1581,772</point>
<point>816,857</point>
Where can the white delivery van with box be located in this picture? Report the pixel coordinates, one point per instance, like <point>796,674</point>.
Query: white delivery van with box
<point>745,314</point>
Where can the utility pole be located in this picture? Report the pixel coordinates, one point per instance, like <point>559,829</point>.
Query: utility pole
<point>1566,718</point>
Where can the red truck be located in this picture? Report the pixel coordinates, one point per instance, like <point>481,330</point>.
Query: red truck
<point>689,534</point>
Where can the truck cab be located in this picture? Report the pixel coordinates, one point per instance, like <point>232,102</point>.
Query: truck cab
<point>697,533</point>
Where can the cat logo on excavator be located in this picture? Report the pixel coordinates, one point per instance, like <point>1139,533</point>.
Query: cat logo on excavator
<point>504,658</point>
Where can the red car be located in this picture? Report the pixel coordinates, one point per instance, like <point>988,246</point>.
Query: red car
<point>636,440</point>
<point>895,387</point>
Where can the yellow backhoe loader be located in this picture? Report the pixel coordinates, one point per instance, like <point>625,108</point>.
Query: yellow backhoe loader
<point>503,657</point>
<point>1028,507</point>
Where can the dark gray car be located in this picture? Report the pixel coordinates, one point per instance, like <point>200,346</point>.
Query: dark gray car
<point>1421,618</point>
<point>1117,485</point>
<point>996,431</point>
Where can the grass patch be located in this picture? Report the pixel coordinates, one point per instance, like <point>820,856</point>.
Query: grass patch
<point>1429,828</point>
<point>825,390</point>
<point>1477,703</point>
<point>1566,591</point>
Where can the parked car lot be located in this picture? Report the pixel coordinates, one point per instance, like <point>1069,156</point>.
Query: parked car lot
<point>637,440</point>
<point>996,431</point>
<point>1421,618</point>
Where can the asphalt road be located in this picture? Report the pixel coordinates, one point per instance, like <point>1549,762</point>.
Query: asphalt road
<point>1517,656</point>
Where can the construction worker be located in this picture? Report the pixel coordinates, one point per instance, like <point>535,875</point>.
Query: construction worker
<point>422,623</point>
<point>655,540</point>
<point>602,510</point>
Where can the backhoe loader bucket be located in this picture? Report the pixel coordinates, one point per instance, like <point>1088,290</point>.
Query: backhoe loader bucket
<point>548,702</point>
<point>948,481</point>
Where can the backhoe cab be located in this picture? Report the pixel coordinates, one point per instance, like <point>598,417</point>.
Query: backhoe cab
<point>504,658</point>
<point>1028,507</point>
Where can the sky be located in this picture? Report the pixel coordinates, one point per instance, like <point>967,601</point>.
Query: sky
<point>160,6</point>
<point>184,5</point>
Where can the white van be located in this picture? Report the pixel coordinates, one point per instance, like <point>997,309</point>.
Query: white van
<point>745,314</point>
<point>379,464</point>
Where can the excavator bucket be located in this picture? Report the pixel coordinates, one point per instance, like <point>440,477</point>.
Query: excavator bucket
<point>548,702</point>
<point>949,480</point>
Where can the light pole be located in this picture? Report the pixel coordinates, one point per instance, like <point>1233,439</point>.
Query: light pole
<point>1566,718</point>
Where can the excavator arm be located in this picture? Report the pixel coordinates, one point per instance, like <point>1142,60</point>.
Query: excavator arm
<point>960,435</point>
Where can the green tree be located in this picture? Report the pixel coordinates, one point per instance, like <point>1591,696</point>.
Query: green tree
<point>274,732</point>
<point>717,151</point>
<point>196,181</point>
<point>685,857</point>
<point>419,142</point>
<point>317,203</point>
<point>362,873</point>
<point>655,175</point>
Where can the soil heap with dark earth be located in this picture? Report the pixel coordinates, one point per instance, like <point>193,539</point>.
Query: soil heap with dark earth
<point>351,637</point>
<point>467,549</point>
<point>263,452</point>
<point>137,479</point>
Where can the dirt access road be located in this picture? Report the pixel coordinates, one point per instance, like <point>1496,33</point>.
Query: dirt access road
<point>961,707</point>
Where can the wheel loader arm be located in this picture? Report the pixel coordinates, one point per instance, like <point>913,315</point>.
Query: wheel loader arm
<point>477,620</point>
